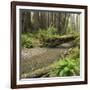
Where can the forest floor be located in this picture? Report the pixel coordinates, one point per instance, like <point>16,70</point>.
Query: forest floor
<point>37,58</point>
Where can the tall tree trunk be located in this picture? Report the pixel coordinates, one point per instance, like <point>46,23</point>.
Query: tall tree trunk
<point>26,21</point>
<point>35,20</point>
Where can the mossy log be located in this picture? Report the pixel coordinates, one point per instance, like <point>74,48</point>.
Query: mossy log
<point>53,42</point>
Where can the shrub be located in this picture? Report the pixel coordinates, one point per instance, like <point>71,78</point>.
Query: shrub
<point>51,30</point>
<point>29,41</point>
<point>45,34</point>
<point>26,41</point>
<point>41,37</point>
<point>69,66</point>
<point>66,67</point>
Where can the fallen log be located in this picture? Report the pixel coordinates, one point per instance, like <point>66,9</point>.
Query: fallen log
<point>53,42</point>
<point>38,73</point>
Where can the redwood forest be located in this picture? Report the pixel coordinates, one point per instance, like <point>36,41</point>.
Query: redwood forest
<point>50,43</point>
